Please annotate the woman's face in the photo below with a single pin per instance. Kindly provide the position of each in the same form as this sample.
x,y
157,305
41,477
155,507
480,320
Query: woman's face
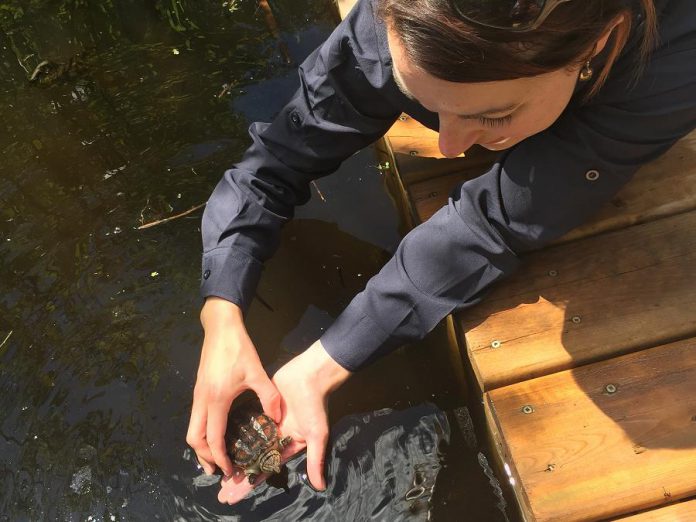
x,y
495,115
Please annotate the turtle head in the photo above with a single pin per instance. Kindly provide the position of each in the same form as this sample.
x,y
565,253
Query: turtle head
x,y
270,461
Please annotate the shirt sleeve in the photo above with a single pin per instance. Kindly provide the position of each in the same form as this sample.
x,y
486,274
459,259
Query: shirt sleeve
x,y
338,109
538,191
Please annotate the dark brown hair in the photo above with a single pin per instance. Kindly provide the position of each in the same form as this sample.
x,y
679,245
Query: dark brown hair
x,y
443,44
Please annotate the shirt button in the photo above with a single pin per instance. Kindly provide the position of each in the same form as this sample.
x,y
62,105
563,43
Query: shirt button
x,y
206,274
295,119
592,175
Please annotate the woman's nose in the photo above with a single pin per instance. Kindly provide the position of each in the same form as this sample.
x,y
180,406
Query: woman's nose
x,y
455,137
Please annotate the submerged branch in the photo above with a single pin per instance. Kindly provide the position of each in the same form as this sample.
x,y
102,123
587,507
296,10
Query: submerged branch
x,y
6,338
175,216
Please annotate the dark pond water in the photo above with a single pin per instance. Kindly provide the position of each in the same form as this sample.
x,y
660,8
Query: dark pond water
x,y
140,108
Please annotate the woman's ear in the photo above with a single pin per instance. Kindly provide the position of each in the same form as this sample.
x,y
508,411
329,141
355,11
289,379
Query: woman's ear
x,y
602,42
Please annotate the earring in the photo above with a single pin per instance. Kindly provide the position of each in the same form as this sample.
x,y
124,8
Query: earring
x,y
586,72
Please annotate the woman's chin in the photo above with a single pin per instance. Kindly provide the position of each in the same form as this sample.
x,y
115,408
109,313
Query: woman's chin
x,y
500,144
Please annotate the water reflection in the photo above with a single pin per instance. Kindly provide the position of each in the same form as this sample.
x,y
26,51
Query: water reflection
x,y
373,462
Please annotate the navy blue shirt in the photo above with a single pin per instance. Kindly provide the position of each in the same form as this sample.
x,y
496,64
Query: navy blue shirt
x,y
536,192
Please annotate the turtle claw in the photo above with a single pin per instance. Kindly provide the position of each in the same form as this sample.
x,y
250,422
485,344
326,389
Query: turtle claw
x,y
252,478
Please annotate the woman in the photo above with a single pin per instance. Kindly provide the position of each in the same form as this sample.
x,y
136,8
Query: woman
x,y
579,93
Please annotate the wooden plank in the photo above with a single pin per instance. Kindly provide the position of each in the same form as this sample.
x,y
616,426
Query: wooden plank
x,y
344,7
418,155
679,512
429,196
587,451
409,137
504,465
586,301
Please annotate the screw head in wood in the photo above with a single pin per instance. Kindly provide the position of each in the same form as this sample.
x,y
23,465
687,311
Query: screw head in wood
x,y
610,388
576,319
496,344
553,273
413,153
527,409
592,175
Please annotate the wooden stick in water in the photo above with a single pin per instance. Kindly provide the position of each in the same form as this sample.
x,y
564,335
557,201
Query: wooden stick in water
x,y
182,214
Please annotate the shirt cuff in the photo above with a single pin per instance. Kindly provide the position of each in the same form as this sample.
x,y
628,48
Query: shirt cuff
x,y
355,339
231,275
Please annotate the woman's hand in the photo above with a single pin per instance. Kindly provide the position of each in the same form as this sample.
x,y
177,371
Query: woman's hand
x,y
304,385
229,365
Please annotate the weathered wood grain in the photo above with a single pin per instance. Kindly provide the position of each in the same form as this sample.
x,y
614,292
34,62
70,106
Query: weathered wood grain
x,y
586,301
409,137
680,512
585,451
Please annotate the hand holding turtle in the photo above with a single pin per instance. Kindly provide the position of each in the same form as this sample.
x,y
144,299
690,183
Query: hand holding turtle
x,y
229,365
304,384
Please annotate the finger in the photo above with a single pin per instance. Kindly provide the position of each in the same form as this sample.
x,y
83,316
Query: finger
x,y
316,452
235,488
215,435
207,465
232,492
268,395
195,436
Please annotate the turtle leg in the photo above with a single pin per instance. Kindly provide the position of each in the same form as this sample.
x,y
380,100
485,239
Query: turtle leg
x,y
252,478
285,441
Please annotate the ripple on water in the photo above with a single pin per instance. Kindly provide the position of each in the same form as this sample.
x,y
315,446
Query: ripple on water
x,y
373,463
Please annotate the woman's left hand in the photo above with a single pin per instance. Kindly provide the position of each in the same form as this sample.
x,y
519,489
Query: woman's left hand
x,y
304,384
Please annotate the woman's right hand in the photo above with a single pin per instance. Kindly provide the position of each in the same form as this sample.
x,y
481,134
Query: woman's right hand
x,y
229,365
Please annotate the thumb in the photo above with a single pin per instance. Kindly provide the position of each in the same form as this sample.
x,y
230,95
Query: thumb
x,y
316,454
268,395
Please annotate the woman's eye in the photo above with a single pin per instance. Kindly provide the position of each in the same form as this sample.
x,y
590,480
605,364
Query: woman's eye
x,y
495,122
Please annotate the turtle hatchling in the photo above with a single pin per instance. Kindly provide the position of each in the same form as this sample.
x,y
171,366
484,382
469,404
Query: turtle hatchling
x,y
257,450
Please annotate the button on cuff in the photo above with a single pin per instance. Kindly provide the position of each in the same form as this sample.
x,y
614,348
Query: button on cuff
x,y
295,119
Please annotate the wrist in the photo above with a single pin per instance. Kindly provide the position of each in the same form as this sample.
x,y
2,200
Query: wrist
x,y
217,311
326,373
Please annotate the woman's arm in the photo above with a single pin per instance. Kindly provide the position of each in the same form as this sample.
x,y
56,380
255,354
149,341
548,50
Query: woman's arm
x,y
538,191
338,109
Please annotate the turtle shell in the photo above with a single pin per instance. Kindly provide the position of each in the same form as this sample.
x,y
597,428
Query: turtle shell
x,y
255,437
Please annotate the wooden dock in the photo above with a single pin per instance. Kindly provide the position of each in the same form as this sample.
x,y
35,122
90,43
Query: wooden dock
x,y
585,360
